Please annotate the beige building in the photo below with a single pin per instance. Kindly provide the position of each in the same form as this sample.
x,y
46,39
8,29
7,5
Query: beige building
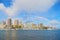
x,y
34,26
27,26
9,23
40,26
21,24
16,22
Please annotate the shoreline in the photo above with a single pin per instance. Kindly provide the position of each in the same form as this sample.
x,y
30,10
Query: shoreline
x,y
28,29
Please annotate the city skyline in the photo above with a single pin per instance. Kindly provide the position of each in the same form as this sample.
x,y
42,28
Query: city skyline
x,y
16,24
36,11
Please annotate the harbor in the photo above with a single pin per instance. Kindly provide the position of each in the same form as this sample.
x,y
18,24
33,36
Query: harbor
x,y
29,34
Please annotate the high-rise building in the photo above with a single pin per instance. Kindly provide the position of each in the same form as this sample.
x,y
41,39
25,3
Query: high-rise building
x,y
9,23
40,25
4,23
34,26
16,22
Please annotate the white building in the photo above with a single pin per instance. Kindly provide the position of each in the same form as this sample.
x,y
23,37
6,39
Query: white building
x,y
16,22
9,23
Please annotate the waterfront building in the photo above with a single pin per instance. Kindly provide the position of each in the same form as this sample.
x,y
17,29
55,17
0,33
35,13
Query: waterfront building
x,y
34,26
16,22
9,23
40,25
21,24
27,26
2,25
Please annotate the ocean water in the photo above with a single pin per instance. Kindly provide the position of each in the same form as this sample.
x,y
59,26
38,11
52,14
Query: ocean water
x,y
29,34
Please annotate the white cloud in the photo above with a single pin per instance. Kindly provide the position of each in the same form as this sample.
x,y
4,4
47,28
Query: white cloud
x,y
2,6
28,5
9,11
35,5
54,22
45,21
43,18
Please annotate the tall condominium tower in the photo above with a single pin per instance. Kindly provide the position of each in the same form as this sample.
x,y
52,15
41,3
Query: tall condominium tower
x,y
40,25
16,22
4,23
9,23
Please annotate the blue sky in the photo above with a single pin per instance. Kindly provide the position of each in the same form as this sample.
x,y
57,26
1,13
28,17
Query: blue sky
x,y
37,11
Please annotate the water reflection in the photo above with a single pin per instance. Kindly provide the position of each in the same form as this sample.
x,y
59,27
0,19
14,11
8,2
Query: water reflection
x,y
8,35
14,36
30,35
11,35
